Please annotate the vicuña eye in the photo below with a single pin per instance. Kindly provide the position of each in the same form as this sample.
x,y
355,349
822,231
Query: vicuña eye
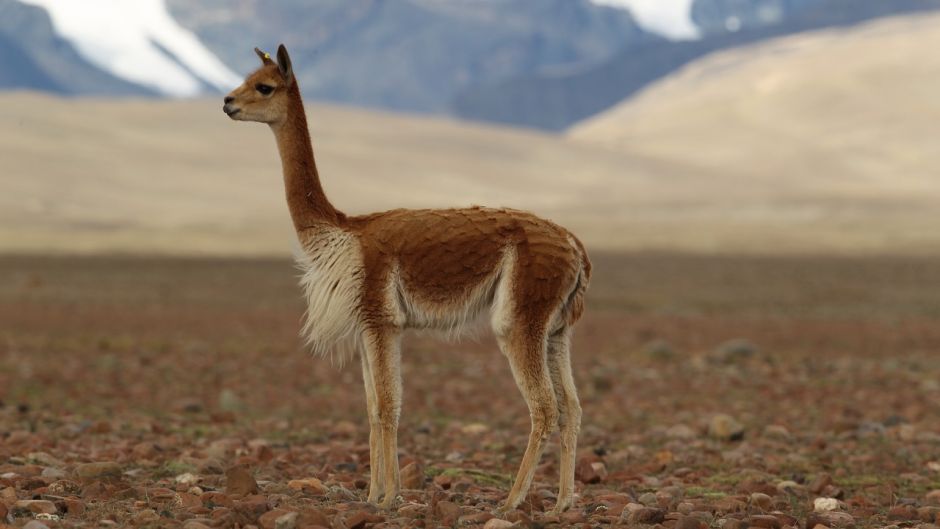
x,y
264,89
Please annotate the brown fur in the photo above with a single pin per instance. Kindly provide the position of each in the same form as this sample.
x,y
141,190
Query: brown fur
x,y
438,268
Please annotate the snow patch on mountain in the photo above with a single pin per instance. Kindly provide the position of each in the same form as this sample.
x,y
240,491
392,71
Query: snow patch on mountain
x,y
669,18
140,42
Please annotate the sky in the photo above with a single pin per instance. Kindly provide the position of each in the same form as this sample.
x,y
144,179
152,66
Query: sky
x,y
670,18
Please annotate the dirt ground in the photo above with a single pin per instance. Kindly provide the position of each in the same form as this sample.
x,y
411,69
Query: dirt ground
x,y
717,392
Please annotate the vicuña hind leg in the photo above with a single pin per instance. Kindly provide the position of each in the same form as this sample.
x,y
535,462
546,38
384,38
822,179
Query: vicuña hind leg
x,y
376,467
526,353
384,356
569,414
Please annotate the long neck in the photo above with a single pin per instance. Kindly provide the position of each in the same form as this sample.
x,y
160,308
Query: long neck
x,y
306,200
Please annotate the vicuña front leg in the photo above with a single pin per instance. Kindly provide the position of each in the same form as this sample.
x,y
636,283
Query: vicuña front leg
x,y
384,357
527,359
376,467
569,415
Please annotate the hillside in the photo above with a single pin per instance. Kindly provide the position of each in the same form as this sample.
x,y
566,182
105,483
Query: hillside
x,y
92,175
839,124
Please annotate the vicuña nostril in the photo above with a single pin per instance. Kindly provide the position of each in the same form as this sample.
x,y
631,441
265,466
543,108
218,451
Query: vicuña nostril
x,y
229,99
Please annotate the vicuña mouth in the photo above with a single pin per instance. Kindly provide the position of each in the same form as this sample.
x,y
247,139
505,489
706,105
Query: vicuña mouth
x,y
232,112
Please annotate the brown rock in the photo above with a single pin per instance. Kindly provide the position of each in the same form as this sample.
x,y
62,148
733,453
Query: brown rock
x,y
586,472
644,516
314,516
194,524
99,470
252,506
819,484
902,513
269,519
689,522
286,521
933,497
729,504
36,506
928,513
764,520
35,524
412,476
833,519
448,512
309,486
496,523
75,508
474,519
240,482
762,500
360,519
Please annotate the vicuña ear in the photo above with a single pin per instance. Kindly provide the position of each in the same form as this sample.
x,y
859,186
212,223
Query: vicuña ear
x,y
265,58
283,64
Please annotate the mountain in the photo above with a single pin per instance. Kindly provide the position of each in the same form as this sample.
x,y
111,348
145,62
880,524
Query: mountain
x,y
411,55
555,101
36,57
834,126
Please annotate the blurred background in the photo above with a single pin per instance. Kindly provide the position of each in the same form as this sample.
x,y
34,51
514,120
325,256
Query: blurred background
x,y
705,125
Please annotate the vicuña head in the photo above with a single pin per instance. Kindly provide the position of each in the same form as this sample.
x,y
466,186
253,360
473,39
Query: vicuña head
x,y
266,93
369,278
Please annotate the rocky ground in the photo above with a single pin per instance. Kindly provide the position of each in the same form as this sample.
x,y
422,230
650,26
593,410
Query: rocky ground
x,y
717,392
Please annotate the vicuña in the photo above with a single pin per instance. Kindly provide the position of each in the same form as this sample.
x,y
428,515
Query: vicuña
x,y
369,278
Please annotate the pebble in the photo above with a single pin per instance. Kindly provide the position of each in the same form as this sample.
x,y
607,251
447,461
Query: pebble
x,y
35,524
764,520
933,497
833,519
825,504
309,486
762,500
681,432
44,459
269,519
97,470
286,521
775,431
902,513
644,515
725,428
36,506
820,483
448,512
187,479
412,476
496,523
53,473
240,482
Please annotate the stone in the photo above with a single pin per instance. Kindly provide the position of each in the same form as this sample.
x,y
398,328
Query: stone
x,y
643,516
725,428
448,512
286,521
309,486
193,524
681,432
762,500
825,504
735,351
833,519
53,473
412,476
35,524
269,519
659,349
36,506
240,482
44,459
902,513
689,522
476,518
585,472
820,483
933,497
775,431
97,470
496,523
186,479
359,519
765,521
